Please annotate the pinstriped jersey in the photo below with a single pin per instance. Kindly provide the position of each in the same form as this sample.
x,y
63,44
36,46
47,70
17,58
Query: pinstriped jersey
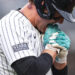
x,y
19,38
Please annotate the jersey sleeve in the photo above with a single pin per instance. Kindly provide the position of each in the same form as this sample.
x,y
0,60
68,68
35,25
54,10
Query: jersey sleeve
x,y
16,39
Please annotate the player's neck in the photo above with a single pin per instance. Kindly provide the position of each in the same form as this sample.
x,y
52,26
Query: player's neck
x,y
28,11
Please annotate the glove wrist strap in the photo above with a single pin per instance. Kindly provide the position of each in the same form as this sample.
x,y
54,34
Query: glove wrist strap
x,y
61,60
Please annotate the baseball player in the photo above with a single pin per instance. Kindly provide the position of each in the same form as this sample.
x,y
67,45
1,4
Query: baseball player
x,y
22,46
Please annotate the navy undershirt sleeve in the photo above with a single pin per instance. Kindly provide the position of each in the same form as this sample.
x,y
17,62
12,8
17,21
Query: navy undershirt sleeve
x,y
33,65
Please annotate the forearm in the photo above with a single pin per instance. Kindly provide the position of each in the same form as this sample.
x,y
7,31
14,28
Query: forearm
x,y
33,66
60,69
59,66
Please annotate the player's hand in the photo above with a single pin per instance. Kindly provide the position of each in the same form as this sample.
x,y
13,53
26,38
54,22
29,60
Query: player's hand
x,y
58,39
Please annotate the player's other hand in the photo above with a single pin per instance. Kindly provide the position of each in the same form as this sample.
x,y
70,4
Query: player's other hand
x,y
58,39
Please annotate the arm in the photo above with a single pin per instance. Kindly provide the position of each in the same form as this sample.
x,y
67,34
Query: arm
x,y
35,65
60,69
59,66
58,39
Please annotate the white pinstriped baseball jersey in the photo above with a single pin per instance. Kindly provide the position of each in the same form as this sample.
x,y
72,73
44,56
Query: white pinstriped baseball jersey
x,y
18,37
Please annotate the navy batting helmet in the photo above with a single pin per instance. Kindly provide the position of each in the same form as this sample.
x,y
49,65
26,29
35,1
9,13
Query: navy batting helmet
x,y
65,7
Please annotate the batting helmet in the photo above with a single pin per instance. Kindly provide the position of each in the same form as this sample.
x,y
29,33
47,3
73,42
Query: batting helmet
x,y
65,7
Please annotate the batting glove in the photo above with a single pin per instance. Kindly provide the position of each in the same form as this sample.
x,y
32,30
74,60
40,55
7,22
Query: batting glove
x,y
58,39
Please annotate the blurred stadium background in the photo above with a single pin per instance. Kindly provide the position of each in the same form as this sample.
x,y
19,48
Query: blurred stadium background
x,y
7,5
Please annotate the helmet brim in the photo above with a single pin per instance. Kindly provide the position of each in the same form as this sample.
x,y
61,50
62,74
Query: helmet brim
x,y
66,15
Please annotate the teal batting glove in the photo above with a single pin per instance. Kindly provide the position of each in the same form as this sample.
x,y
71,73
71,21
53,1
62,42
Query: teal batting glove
x,y
58,39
